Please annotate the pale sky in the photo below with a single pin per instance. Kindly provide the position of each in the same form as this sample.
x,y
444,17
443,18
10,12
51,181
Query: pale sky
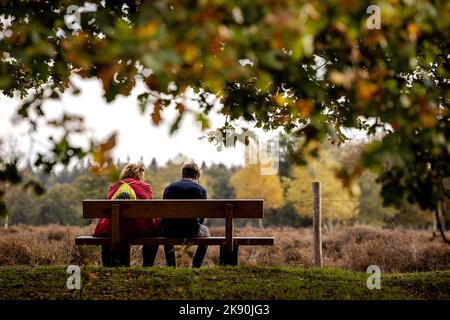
x,y
137,135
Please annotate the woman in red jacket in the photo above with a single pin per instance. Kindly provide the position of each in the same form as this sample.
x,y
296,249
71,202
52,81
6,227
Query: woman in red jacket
x,y
133,176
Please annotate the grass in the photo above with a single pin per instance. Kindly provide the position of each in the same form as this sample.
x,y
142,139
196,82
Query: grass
x,y
49,282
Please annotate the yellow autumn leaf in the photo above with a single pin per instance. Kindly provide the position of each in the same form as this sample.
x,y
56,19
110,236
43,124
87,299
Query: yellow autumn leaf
x,y
311,11
190,54
98,157
365,90
427,114
413,31
428,120
304,107
91,276
337,77
156,114
109,144
101,155
280,100
148,30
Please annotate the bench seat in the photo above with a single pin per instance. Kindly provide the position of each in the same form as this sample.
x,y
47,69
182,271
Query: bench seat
x,y
227,209
239,241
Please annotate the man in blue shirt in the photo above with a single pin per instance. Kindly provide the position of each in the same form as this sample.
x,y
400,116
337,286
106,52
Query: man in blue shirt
x,y
186,188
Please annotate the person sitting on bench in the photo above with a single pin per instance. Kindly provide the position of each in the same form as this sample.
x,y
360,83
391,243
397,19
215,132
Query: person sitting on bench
x,y
186,188
130,186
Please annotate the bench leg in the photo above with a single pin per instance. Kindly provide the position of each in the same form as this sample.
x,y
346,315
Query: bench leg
x,y
149,255
106,256
116,257
121,256
228,258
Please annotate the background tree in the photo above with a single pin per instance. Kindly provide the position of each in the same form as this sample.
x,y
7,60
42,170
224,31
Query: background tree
x,y
153,166
370,206
411,216
91,186
337,204
21,205
171,172
60,205
248,183
67,188
218,177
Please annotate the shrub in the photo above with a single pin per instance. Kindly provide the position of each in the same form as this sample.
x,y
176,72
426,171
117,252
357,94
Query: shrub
x,y
353,248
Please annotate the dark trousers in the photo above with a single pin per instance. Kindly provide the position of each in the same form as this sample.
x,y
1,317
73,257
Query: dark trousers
x,y
149,255
200,253
171,257
121,256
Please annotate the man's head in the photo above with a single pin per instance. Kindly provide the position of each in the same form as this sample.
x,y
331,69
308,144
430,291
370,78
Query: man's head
x,y
191,170
133,170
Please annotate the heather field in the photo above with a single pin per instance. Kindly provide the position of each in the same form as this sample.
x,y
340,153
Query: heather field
x,y
352,248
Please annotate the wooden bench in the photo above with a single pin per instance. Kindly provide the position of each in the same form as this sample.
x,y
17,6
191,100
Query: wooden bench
x,y
226,209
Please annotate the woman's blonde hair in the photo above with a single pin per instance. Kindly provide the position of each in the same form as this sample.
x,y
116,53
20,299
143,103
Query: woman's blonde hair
x,y
133,170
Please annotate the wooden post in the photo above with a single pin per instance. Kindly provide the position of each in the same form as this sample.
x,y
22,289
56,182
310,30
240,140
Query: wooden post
x,y
229,258
317,224
229,226
120,253
229,251
115,228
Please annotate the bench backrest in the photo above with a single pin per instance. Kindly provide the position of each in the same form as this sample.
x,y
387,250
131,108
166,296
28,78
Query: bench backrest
x,y
211,208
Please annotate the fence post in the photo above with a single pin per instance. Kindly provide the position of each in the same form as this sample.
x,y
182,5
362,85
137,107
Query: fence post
x,y
317,224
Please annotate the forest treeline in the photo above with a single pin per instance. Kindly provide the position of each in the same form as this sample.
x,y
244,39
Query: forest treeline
x,y
287,195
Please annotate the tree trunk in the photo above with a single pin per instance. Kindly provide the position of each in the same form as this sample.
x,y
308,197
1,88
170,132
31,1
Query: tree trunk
x,y
435,228
446,213
438,222
6,221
